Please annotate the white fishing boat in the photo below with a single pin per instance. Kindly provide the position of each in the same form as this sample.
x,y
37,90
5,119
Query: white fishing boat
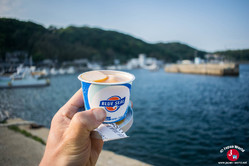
x,y
53,71
40,73
27,82
22,78
70,70
152,67
62,71
5,78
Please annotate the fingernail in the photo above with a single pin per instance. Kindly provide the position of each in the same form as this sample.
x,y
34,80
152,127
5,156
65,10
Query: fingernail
x,y
99,114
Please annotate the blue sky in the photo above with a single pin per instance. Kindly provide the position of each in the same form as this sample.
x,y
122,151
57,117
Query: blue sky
x,y
209,25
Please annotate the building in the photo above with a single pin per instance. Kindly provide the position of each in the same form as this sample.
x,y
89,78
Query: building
x,y
143,62
13,59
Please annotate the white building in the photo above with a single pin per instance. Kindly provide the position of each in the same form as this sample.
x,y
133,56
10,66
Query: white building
x,y
198,60
143,62
133,63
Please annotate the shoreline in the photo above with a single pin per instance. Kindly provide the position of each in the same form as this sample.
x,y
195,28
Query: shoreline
x,y
21,143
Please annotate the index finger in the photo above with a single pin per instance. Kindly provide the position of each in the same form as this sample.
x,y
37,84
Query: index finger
x,y
73,105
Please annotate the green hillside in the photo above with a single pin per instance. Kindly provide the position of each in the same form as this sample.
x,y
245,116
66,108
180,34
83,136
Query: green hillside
x,y
235,55
84,42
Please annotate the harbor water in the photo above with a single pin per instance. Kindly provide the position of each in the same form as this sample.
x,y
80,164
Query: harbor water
x,y
179,119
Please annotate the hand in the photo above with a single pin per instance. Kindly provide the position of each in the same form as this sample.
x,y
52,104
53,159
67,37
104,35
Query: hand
x,y
69,141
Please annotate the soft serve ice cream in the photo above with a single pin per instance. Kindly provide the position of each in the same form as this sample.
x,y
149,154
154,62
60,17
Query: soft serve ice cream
x,y
104,77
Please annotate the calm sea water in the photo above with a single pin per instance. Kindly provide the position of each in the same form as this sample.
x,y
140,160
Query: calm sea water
x,y
179,119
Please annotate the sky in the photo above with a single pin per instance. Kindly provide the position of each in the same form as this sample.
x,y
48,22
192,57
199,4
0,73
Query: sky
x,y
208,25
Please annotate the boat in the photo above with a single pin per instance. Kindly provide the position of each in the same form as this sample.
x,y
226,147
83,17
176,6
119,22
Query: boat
x,y
70,70
62,71
152,67
39,73
5,78
53,71
22,78
27,82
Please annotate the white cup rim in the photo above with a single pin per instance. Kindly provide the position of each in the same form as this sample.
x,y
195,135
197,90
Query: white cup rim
x,y
131,76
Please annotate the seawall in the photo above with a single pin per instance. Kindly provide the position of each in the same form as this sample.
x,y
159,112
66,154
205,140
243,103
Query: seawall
x,y
205,69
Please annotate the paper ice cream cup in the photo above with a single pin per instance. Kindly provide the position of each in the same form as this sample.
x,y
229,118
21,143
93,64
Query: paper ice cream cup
x,y
112,97
127,122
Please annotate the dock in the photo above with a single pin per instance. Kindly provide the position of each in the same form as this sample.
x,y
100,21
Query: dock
x,y
222,69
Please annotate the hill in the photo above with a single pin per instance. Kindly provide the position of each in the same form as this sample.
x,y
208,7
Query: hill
x,y
84,42
235,55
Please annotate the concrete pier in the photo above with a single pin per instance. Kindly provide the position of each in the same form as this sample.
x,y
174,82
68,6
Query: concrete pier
x,y
18,149
222,69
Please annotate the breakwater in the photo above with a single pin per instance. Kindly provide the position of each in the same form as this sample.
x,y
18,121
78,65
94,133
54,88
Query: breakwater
x,y
205,69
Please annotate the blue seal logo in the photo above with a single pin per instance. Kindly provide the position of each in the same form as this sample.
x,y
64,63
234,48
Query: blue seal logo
x,y
113,103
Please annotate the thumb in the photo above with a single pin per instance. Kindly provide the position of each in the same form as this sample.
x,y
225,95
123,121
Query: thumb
x,y
77,146
84,122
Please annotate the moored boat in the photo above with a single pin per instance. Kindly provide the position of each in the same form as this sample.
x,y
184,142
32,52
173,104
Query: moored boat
x,y
22,78
26,82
